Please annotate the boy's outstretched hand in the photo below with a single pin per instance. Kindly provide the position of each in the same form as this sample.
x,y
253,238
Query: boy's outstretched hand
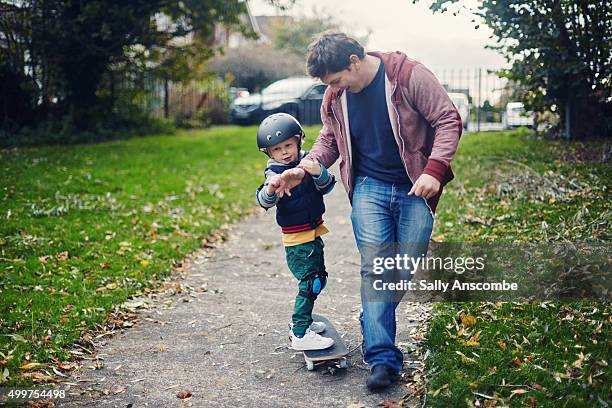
x,y
273,184
288,180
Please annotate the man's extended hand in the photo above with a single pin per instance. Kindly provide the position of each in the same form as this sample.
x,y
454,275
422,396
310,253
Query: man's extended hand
x,y
425,186
290,179
311,166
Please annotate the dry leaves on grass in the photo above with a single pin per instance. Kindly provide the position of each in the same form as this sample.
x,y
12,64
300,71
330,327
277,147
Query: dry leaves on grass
x,y
41,404
41,377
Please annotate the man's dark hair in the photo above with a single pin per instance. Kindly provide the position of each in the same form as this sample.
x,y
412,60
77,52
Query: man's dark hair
x,y
330,53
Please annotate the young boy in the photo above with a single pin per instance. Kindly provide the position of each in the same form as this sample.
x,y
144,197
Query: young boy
x,y
299,215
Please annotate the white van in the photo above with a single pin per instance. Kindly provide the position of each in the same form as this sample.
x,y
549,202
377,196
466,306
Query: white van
x,y
463,106
516,115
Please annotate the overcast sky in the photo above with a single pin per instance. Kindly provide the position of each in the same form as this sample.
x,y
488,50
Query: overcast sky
x,y
438,40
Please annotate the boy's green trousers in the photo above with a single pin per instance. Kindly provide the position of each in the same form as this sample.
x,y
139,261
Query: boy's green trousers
x,y
304,260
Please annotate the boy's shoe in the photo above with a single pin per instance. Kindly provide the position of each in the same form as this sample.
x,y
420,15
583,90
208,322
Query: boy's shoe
x,y
317,327
310,341
381,376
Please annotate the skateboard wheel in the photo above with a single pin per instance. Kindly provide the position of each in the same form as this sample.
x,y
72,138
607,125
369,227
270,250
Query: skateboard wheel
x,y
343,363
309,365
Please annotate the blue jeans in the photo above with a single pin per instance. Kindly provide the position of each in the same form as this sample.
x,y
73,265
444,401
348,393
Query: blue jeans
x,y
385,217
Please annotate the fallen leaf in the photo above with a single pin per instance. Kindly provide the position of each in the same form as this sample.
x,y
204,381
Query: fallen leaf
x,y
578,363
183,394
467,320
468,343
436,392
67,366
30,366
517,392
62,256
42,377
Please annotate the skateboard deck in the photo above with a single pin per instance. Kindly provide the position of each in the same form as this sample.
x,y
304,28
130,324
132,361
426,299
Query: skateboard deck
x,y
336,352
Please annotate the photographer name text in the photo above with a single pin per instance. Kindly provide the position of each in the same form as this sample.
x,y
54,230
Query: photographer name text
x,y
441,286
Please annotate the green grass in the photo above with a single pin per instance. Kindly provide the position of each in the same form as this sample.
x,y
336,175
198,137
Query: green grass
x,y
82,228
516,188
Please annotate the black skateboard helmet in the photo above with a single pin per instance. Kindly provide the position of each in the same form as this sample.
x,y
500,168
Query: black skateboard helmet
x,y
277,128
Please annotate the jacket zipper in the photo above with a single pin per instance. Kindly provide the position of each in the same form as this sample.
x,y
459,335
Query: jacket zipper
x,y
399,132
349,179
399,135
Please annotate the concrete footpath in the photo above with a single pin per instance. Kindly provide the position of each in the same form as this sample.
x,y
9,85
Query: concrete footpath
x,y
219,332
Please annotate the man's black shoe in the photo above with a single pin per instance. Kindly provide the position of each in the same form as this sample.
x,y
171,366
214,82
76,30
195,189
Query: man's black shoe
x,y
381,376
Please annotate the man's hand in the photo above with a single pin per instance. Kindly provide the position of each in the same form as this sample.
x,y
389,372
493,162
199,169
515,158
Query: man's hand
x,y
311,166
425,186
290,179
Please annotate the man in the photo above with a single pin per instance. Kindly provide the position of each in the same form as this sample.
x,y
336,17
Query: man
x,y
395,130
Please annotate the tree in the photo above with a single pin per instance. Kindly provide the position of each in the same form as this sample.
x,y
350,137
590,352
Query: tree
x,y
560,53
256,66
294,35
64,50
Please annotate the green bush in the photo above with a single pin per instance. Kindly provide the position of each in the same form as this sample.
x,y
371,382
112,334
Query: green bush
x,y
62,131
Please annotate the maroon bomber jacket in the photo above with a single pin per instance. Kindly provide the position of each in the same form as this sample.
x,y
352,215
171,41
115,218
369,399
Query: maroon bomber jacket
x,y
425,123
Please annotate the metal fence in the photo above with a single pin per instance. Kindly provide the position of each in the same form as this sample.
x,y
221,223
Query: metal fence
x,y
487,94
483,93
205,101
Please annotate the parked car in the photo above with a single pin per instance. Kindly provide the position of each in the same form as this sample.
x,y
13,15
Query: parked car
x,y
237,92
297,96
462,104
516,116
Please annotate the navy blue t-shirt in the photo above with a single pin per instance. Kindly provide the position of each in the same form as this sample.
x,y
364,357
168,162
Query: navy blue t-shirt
x,y
375,151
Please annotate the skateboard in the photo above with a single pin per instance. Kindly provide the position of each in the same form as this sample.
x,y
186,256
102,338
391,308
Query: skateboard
x,y
337,352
